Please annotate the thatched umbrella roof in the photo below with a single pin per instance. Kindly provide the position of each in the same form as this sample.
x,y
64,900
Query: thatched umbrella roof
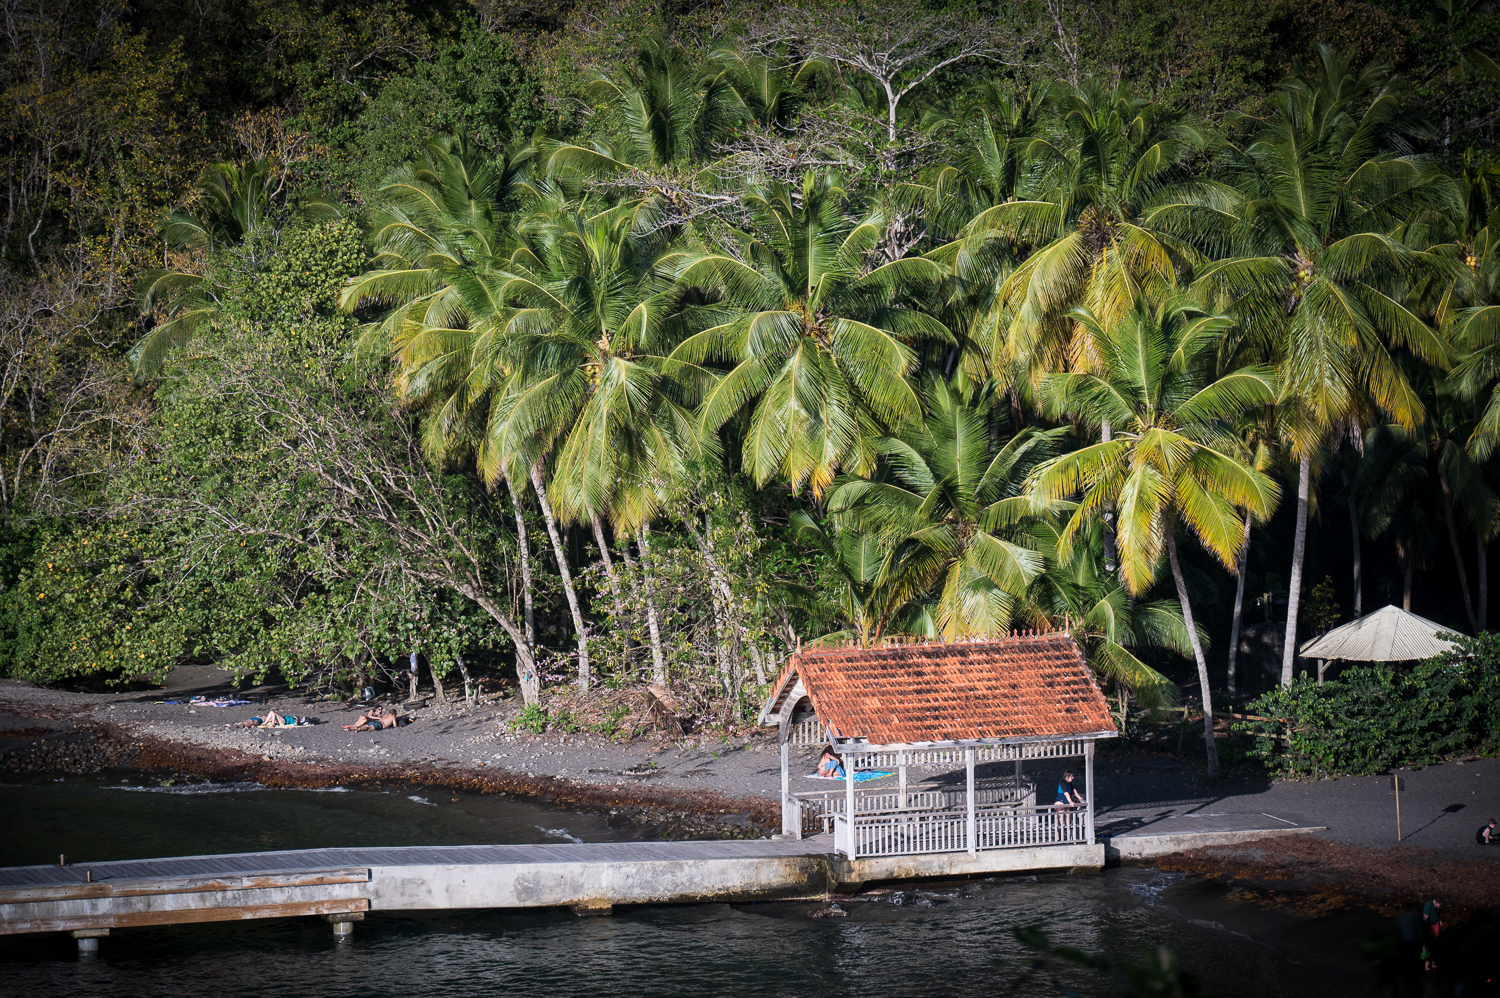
x,y
1390,634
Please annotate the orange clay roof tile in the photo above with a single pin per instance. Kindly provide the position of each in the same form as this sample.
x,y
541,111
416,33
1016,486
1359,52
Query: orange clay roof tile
x,y
1024,686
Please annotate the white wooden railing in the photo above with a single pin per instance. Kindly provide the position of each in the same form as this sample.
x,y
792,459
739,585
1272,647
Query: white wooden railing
x,y
917,833
1002,790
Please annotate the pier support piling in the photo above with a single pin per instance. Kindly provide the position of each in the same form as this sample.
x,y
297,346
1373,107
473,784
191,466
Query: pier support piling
x,y
88,941
343,924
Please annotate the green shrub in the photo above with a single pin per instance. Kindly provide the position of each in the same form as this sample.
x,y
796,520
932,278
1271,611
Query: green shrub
x,y
532,718
1373,718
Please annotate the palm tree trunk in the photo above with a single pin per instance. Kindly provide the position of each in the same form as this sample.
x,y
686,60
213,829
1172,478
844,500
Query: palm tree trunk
x,y
1240,564
1111,553
658,660
1482,557
1210,746
609,564
569,591
1299,554
1458,558
524,545
1405,576
1359,583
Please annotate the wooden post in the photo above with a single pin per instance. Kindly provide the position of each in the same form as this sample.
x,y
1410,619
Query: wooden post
x,y
1088,790
1396,786
791,824
902,769
973,829
1322,664
849,801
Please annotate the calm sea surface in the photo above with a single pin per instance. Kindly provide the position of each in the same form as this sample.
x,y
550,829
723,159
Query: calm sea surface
x,y
951,938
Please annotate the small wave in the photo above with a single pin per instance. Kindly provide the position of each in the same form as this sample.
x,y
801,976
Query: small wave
x,y
1160,881
327,790
421,800
558,833
195,788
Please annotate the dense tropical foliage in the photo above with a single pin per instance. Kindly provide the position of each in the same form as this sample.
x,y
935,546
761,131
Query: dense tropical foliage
x,y
621,343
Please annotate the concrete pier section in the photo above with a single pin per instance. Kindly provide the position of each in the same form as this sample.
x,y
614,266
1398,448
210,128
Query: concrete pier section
x,y
341,885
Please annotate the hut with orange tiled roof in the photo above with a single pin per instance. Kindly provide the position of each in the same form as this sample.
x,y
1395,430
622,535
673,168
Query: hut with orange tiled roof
x,y
932,707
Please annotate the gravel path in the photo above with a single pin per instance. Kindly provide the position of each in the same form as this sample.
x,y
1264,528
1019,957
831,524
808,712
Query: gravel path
x,y
1441,807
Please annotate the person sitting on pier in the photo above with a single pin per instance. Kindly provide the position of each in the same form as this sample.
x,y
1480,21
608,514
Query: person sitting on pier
x,y
1487,836
1067,794
830,764
377,722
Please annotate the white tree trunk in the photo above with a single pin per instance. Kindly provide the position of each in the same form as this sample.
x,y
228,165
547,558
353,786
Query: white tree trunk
x,y
584,678
1240,564
1210,745
523,543
658,660
609,564
463,670
1299,554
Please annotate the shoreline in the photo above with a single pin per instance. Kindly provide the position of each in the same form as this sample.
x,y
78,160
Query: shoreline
x,y
693,788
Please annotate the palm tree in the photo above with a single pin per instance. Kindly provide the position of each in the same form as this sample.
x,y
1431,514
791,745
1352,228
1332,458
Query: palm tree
x,y
234,200
819,344
851,559
1396,498
1308,268
1083,595
1084,232
950,513
771,91
670,111
1171,460
560,365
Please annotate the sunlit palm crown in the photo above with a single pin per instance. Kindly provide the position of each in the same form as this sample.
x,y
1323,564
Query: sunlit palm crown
x,y
818,343
1306,262
951,514
1172,454
1080,222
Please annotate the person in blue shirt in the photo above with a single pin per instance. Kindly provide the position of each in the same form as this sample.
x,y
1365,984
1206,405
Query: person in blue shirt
x,y
1067,794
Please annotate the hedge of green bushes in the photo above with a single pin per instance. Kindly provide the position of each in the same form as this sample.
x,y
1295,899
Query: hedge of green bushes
x,y
1373,718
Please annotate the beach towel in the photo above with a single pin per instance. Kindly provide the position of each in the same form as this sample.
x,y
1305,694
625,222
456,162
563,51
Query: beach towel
x,y
221,702
860,776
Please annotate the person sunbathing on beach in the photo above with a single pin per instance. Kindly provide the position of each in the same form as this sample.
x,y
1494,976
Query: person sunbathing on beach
x,y
376,722
830,764
273,720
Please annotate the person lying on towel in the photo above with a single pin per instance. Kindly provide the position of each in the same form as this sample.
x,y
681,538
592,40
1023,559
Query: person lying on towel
x,y
274,721
376,722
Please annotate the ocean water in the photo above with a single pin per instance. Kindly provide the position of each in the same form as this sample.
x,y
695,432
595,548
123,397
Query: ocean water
x,y
929,939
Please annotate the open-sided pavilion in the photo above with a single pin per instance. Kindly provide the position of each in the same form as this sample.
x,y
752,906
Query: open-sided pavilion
x,y
925,709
